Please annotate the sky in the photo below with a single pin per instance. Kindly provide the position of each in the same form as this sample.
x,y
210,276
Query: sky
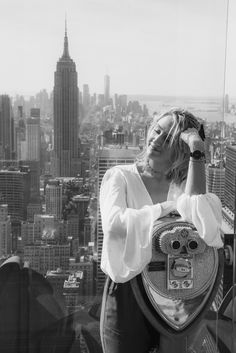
x,y
152,47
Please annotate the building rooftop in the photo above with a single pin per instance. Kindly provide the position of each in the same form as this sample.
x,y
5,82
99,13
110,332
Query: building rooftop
x,y
58,273
14,171
74,280
44,216
33,121
80,198
53,182
121,153
46,246
66,179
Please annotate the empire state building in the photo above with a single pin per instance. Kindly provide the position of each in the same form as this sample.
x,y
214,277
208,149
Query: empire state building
x,y
65,105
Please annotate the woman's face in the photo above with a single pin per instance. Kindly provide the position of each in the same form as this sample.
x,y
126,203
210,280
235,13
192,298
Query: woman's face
x,y
159,138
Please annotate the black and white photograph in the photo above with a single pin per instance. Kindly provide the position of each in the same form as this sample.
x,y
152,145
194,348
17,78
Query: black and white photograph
x,y
118,176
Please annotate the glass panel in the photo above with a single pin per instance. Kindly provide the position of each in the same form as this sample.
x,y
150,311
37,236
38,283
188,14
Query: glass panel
x,y
192,71
160,54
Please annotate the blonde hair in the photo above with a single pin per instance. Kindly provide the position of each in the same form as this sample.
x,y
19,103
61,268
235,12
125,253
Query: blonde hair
x,y
179,150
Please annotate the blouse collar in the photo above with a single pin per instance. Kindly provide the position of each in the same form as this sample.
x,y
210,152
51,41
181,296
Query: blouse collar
x,y
174,190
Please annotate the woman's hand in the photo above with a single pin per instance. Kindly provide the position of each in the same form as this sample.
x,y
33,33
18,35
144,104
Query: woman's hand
x,y
192,139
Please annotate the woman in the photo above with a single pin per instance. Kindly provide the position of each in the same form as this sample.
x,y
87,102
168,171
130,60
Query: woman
x,y
170,177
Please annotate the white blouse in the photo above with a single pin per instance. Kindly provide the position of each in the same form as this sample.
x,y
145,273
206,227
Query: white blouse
x,y
128,214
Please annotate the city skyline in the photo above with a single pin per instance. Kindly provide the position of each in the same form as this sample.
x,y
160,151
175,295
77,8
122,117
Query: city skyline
x,y
129,41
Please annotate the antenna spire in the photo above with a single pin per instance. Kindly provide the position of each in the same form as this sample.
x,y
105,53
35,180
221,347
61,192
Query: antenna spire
x,y
66,47
65,25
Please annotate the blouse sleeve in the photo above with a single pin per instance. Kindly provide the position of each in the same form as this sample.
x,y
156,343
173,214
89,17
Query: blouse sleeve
x,y
204,211
127,242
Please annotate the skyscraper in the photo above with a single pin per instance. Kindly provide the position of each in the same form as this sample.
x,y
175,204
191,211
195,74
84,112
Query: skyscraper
x,y
54,198
65,104
230,177
20,134
5,231
228,210
226,103
34,171
15,191
86,97
106,90
6,128
215,180
33,139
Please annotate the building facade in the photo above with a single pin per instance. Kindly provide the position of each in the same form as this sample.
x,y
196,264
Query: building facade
x,y
15,192
42,258
230,178
215,180
73,291
33,139
106,90
34,175
56,279
87,268
6,128
5,231
54,198
86,97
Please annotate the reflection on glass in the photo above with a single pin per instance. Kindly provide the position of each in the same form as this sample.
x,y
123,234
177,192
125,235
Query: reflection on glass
x,y
55,145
